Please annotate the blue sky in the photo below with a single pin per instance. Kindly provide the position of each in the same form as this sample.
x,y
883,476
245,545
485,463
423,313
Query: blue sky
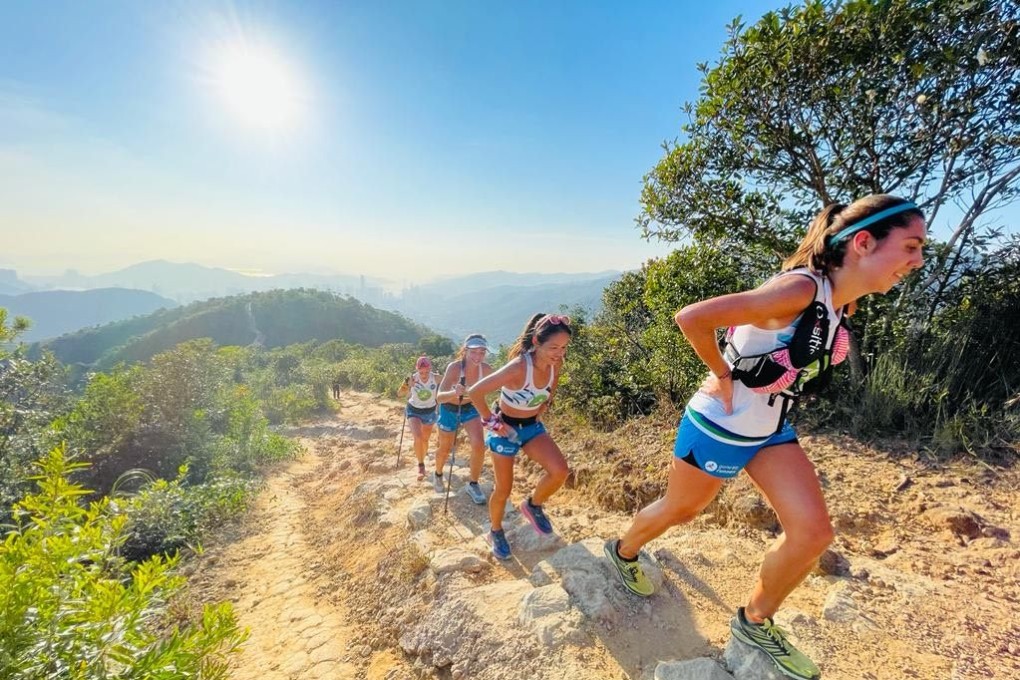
x,y
432,138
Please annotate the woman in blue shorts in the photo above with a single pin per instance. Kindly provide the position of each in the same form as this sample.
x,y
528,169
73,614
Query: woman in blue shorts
x,y
526,387
457,412
782,339
421,388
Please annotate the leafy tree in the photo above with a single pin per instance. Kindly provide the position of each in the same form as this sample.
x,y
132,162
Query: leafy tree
x,y
830,101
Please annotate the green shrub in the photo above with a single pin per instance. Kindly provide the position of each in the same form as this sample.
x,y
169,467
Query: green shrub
x,y
71,607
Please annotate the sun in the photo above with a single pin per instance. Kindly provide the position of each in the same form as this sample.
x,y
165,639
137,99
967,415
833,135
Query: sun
x,y
258,87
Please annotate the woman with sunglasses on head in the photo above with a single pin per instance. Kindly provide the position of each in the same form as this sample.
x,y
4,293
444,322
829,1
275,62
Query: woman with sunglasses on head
x,y
526,387
421,387
783,338
457,412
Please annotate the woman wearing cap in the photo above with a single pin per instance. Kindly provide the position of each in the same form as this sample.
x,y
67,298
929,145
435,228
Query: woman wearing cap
x,y
526,386
421,388
456,411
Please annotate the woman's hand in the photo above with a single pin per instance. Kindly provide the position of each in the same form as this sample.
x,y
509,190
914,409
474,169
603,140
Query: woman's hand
x,y
720,388
459,390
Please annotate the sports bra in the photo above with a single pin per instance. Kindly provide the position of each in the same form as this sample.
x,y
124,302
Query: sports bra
x,y
529,397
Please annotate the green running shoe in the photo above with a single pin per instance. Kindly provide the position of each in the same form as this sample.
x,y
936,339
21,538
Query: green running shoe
x,y
771,639
631,574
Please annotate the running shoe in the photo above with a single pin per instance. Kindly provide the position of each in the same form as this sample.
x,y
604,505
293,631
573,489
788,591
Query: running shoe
x,y
438,484
500,546
476,493
631,574
536,516
771,639
421,471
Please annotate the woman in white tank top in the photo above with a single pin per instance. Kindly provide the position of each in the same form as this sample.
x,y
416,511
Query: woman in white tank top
x,y
849,251
422,389
527,385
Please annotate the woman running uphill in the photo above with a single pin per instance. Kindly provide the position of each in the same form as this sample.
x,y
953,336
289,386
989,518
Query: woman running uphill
x,y
781,336
421,388
526,386
456,411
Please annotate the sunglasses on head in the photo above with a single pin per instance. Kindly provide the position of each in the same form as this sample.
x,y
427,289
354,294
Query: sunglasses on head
x,y
556,319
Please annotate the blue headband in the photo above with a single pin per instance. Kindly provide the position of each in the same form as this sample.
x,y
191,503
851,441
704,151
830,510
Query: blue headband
x,y
868,221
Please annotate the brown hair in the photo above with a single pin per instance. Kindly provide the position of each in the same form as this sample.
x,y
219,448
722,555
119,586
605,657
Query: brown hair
x,y
816,252
538,328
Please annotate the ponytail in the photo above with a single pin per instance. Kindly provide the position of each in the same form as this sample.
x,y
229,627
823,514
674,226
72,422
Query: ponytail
x,y
822,253
525,341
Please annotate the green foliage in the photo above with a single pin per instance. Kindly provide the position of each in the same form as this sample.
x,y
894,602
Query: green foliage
x,y
632,355
71,607
31,394
166,516
829,101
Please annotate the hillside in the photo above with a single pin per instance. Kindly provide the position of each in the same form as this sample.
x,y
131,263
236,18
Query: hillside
x,y
499,311
57,312
273,319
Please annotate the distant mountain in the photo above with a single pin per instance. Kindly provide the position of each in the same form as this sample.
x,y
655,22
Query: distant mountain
x,y
56,312
10,284
271,319
473,282
500,312
188,282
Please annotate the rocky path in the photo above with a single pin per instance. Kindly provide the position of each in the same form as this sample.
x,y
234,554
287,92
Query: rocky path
x,y
349,568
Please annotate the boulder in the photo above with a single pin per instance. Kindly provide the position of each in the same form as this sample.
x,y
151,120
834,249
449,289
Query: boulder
x,y
454,560
749,663
419,515
692,669
547,612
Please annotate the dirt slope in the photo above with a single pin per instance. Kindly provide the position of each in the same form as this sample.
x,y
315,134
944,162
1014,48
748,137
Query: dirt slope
x,y
349,568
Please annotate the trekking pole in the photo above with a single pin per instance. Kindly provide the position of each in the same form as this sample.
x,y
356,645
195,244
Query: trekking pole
x,y
453,450
403,426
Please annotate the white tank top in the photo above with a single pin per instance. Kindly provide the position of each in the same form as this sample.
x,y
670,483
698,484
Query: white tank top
x,y
423,393
754,419
529,397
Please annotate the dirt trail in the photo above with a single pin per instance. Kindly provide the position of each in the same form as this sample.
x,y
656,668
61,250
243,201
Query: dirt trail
x,y
348,568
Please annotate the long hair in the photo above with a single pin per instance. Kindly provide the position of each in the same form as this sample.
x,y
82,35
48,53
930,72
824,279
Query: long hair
x,y
817,253
539,328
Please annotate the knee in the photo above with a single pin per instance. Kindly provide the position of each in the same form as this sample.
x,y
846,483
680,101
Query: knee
x,y
814,538
500,493
558,473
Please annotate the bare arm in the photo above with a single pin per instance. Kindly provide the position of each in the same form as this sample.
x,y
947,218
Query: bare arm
x,y
450,389
773,305
405,387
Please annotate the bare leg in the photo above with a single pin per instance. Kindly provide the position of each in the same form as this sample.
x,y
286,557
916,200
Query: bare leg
x,y
503,474
788,481
443,447
477,439
543,450
688,491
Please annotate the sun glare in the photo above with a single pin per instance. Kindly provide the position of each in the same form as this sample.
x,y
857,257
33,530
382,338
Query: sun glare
x,y
259,88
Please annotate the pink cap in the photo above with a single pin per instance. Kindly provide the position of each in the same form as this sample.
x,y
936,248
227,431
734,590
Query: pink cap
x,y
423,362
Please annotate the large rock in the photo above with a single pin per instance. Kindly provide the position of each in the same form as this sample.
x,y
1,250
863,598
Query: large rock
x,y
454,559
840,607
593,584
749,663
692,669
419,515
524,538
548,613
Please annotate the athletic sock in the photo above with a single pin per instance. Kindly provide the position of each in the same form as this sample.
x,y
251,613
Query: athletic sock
x,y
625,559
